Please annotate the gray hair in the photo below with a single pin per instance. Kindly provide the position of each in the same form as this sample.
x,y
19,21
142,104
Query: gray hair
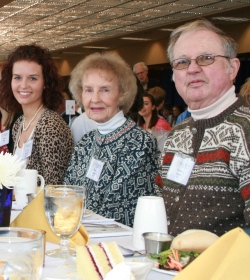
x,y
228,44
140,63
111,62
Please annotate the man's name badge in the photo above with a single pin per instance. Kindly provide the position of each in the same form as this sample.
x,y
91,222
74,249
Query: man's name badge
x,y
181,168
95,169
4,138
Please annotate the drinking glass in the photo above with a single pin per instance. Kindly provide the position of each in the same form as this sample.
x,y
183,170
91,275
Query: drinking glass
x,y
63,209
21,253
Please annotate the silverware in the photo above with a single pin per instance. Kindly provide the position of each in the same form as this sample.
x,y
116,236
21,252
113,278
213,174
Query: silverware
x,y
101,225
139,252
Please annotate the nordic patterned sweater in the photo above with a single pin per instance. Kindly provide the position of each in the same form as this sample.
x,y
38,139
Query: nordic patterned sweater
x,y
217,195
130,157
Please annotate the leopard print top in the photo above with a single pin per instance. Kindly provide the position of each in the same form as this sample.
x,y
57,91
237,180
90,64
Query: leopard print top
x,y
52,146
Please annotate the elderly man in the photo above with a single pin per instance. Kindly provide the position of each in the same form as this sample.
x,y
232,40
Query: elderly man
x,y
140,69
205,171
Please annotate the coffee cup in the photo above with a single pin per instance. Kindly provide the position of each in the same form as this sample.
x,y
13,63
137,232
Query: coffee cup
x,y
27,185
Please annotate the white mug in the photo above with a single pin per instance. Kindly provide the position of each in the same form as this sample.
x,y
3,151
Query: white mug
x,y
150,216
27,185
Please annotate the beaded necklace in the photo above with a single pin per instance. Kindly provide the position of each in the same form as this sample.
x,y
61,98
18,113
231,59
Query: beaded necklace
x,y
28,125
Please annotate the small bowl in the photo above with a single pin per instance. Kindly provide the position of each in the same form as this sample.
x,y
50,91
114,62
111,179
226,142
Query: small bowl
x,y
156,242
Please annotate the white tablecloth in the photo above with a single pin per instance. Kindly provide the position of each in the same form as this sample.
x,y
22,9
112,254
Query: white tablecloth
x,y
53,264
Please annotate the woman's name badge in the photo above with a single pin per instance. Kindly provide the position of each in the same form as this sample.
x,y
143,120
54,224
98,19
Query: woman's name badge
x,y
181,168
4,138
95,169
27,149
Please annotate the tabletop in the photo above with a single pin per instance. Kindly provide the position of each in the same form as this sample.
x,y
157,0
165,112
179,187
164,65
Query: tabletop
x,y
51,270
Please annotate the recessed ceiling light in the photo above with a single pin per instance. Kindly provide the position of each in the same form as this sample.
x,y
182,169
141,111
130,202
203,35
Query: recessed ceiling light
x,y
167,29
95,47
135,39
230,19
76,53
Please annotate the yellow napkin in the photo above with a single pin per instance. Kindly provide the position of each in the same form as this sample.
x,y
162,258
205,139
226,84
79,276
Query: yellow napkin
x,y
33,216
227,259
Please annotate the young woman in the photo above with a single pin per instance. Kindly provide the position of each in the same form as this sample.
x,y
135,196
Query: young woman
x,y
30,83
149,118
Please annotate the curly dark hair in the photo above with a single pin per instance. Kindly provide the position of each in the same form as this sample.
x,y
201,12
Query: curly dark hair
x,y
53,83
154,117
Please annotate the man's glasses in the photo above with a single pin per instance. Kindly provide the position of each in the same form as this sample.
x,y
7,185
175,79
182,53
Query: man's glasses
x,y
201,60
140,73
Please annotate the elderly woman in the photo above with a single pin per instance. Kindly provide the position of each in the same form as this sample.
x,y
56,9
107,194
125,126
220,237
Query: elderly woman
x,y
117,162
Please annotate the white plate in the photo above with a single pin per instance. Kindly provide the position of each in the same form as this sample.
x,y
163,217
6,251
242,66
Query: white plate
x,y
168,272
67,270
88,213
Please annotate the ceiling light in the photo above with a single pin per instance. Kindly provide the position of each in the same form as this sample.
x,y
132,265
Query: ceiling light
x,y
95,47
230,19
167,29
76,53
135,39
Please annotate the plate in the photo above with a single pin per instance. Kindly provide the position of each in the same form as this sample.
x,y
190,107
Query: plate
x,y
168,272
88,213
67,270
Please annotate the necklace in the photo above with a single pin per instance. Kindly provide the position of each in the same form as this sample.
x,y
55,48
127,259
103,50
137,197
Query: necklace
x,y
25,128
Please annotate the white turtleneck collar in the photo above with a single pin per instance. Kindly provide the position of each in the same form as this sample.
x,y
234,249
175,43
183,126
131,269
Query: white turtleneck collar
x,y
112,124
216,108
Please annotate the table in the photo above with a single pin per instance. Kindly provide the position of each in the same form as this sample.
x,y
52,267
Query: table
x,y
52,263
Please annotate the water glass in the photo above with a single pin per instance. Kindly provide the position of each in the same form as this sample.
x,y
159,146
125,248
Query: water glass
x,y
21,254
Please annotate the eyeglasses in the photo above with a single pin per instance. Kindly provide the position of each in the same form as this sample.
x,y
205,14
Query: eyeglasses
x,y
140,73
201,60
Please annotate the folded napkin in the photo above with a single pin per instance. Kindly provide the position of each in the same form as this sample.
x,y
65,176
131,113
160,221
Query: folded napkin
x,y
228,258
33,216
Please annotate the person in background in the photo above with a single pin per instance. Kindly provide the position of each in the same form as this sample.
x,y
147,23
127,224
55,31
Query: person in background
x,y
69,119
42,139
245,90
167,112
7,120
148,115
140,69
184,115
159,95
205,172
118,161
177,110
82,125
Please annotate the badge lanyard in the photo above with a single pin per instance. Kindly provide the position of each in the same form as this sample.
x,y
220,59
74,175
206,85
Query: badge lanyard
x,y
95,166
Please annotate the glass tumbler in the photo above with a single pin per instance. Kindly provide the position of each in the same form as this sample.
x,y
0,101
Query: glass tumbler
x,y
21,253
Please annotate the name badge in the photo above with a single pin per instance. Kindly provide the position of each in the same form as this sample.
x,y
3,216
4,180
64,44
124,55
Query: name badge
x,y
27,149
4,137
95,169
181,168
70,107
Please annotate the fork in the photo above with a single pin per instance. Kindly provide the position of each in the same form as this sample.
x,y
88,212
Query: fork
x,y
141,252
101,225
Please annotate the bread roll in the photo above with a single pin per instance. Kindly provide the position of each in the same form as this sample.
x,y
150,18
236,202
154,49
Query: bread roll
x,y
194,240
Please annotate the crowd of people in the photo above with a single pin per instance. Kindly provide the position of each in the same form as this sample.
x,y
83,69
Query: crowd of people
x,y
203,168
